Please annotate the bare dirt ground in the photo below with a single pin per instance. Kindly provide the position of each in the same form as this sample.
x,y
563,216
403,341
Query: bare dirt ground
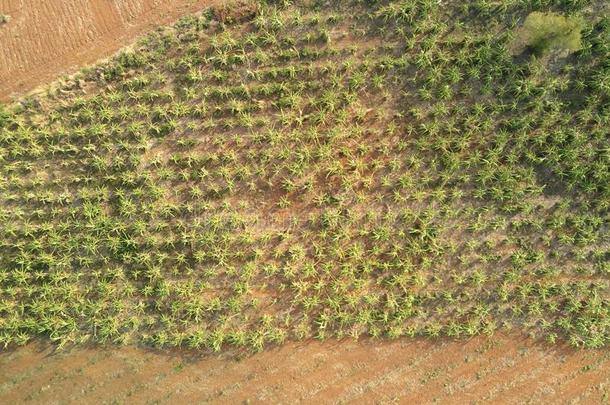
x,y
44,39
501,369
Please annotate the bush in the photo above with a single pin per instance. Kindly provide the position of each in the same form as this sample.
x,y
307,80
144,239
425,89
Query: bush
x,y
544,31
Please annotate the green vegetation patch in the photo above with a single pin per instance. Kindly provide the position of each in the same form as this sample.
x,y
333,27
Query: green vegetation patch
x,y
316,170
545,31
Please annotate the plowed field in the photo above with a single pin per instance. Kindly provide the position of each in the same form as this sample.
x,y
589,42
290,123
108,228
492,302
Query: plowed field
x,y
44,39
500,369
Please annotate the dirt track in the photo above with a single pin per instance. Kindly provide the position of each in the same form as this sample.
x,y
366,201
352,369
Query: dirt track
x,y
44,39
496,370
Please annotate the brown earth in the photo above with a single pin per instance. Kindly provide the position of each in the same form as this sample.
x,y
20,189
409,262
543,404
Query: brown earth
x,y
501,369
44,39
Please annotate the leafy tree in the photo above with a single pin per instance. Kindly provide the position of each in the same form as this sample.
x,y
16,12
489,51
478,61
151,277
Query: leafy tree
x,y
545,31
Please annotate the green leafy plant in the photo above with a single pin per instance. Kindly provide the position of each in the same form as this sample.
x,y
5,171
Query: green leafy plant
x,y
545,31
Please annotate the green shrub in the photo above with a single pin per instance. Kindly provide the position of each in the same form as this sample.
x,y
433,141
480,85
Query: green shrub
x,y
544,31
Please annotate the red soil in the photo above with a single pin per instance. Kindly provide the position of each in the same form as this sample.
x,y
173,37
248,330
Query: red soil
x,y
501,369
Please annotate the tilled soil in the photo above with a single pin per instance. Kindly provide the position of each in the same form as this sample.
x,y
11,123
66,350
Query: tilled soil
x,y
44,39
500,369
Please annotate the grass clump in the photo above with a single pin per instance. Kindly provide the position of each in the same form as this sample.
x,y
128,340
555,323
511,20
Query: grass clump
x,y
4,116
545,31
